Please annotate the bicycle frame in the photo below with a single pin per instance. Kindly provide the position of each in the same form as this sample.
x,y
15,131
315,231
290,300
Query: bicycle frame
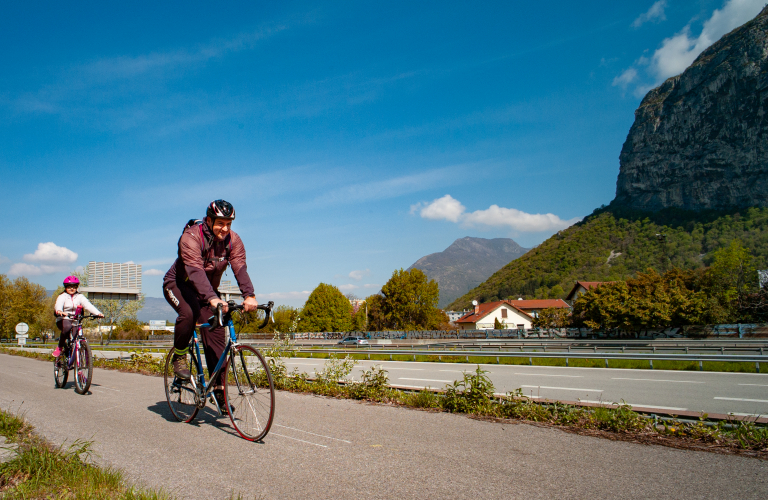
x,y
75,344
203,388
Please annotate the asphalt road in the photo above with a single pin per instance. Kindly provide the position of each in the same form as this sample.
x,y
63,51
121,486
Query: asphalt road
x,y
327,448
712,392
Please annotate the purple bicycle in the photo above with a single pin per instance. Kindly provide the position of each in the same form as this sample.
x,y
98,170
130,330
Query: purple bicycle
x,y
76,356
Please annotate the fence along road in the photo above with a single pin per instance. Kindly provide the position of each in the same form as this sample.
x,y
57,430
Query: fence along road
x,y
341,449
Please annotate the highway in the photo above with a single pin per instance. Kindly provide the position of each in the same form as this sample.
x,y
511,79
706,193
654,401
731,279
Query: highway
x,y
711,392
328,448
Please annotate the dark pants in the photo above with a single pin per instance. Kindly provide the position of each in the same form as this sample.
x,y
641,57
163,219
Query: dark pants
x,y
65,326
190,312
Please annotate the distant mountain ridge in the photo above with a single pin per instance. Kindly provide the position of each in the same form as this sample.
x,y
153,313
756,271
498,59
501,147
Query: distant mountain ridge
x,y
467,263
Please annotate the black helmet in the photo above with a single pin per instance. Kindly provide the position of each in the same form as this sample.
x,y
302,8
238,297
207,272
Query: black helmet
x,y
220,209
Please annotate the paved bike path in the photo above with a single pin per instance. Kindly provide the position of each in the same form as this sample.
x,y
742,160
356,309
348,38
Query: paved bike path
x,y
326,448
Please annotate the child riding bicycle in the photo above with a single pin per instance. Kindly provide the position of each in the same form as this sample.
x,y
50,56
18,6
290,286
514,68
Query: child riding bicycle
x,y
70,303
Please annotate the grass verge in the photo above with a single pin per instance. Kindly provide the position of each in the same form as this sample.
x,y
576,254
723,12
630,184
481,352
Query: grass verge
x,y
474,395
39,469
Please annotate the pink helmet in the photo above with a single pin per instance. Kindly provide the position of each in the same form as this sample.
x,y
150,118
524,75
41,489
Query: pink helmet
x,y
71,280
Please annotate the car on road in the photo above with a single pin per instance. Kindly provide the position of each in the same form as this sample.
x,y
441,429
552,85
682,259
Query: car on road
x,y
353,341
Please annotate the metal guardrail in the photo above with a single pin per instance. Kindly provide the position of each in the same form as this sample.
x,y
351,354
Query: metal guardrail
x,y
650,357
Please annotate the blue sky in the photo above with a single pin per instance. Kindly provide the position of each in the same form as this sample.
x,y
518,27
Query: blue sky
x,y
352,138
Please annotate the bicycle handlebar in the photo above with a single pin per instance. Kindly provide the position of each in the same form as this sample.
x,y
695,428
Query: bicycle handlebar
x,y
219,318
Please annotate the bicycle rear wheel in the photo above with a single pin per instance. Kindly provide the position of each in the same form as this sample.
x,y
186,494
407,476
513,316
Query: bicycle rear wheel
x,y
60,371
83,367
180,393
250,393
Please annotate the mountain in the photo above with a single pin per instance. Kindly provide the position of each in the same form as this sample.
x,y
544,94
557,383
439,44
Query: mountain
x,y
693,176
156,308
466,263
700,140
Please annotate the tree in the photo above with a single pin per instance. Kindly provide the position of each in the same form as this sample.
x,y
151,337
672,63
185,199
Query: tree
x,y
731,275
497,324
360,318
376,319
116,311
410,301
21,302
649,301
326,310
552,317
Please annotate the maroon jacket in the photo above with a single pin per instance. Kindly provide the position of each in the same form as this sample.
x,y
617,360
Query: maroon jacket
x,y
203,272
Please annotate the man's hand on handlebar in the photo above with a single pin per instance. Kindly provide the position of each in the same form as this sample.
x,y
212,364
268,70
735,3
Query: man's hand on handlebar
x,y
215,303
250,304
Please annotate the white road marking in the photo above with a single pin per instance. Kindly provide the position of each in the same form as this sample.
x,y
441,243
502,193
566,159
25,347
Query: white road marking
x,y
560,388
318,435
756,385
673,408
107,388
658,380
408,369
743,399
300,440
426,380
548,375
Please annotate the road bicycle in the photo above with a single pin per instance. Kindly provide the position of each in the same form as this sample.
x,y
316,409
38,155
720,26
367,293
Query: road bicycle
x,y
249,393
76,356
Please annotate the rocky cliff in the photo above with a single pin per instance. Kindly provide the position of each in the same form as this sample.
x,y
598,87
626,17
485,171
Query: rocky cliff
x,y
700,140
467,263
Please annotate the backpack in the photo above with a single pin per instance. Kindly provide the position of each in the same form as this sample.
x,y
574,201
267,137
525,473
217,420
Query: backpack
x,y
207,242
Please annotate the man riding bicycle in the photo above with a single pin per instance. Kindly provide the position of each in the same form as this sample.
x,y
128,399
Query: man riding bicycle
x,y
190,286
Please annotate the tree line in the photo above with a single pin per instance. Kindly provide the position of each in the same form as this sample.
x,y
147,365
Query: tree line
x,y
408,301
725,292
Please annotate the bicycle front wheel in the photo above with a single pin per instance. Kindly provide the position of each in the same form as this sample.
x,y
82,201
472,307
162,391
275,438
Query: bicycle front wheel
x,y
60,371
83,367
180,393
250,393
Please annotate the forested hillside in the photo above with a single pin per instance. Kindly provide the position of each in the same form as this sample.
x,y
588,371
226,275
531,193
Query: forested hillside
x,y
615,243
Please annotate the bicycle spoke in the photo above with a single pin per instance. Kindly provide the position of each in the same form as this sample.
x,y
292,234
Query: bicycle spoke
x,y
251,408
180,394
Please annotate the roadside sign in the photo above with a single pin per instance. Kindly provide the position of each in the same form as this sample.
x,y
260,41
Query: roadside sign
x,y
157,324
22,328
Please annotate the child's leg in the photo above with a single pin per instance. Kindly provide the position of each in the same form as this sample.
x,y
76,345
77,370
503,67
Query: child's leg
x,y
65,326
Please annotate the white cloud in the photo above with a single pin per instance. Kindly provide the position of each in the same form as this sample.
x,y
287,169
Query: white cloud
x,y
153,272
50,253
22,269
624,79
677,52
654,14
347,287
446,208
358,275
450,209
4,259
129,262
372,285
518,220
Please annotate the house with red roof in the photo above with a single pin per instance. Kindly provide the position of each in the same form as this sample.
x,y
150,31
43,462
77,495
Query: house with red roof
x,y
533,307
484,315
582,287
